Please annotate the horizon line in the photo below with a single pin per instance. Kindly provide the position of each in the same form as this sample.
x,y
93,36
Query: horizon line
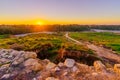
x,y
59,24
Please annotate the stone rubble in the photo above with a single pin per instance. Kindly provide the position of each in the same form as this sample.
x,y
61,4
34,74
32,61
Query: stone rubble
x,y
21,65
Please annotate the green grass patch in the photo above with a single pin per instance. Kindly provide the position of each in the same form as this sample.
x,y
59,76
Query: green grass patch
x,y
105,38
4,36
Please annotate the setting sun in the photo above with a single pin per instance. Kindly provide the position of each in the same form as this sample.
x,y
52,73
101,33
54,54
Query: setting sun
x,y
39,23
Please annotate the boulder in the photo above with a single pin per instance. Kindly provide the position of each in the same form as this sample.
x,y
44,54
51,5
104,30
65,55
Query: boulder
x,y
94,74
30,55
74,69
57,69
44,74
45,61
51,78
69,63
5,76
33,64
117,68
4,61
18,61
34,79
50,65
83,68
65,73
60,64
99,66
5,66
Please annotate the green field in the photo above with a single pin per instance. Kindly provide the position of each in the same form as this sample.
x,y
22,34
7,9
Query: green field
x,y
47,45
109,40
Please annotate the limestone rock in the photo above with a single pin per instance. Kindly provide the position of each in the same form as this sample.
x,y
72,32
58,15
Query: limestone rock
x,y
6,65
57,69
60,64
65,73
69,62
18,61
51,78
50,65
74,69
21,65
44,74
30,55
34,79
33,64
83,68
5,76
99,66
117,68
94,74
46,61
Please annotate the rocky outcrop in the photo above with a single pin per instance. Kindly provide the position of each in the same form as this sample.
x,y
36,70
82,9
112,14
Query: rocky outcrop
x,y
117,68
99,66
21,65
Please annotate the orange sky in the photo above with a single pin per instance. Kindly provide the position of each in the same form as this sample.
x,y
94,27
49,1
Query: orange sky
x,y
59,12
45,22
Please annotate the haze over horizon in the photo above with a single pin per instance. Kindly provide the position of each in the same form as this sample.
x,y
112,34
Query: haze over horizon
x,y
60,12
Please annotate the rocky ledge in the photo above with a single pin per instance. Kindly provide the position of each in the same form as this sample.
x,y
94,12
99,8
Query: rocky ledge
x,y
21,65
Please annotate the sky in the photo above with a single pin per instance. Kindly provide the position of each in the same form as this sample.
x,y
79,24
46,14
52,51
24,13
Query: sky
x,y
59,11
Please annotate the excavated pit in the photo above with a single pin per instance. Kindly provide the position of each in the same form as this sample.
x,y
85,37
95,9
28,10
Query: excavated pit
x,y
78,56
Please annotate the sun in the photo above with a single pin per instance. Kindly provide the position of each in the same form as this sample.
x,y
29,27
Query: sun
x,y
39,23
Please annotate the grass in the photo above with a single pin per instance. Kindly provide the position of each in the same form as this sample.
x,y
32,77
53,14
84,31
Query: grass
x,y
47,45
4,36
111,40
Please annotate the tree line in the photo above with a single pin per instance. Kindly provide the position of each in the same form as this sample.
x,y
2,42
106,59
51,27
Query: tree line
x,y
106,27
21,29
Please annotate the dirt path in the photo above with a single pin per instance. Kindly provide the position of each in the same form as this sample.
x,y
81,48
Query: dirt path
x,y
99,51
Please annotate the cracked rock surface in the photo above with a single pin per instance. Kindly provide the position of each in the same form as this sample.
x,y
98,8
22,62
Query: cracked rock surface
x,y
21,65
